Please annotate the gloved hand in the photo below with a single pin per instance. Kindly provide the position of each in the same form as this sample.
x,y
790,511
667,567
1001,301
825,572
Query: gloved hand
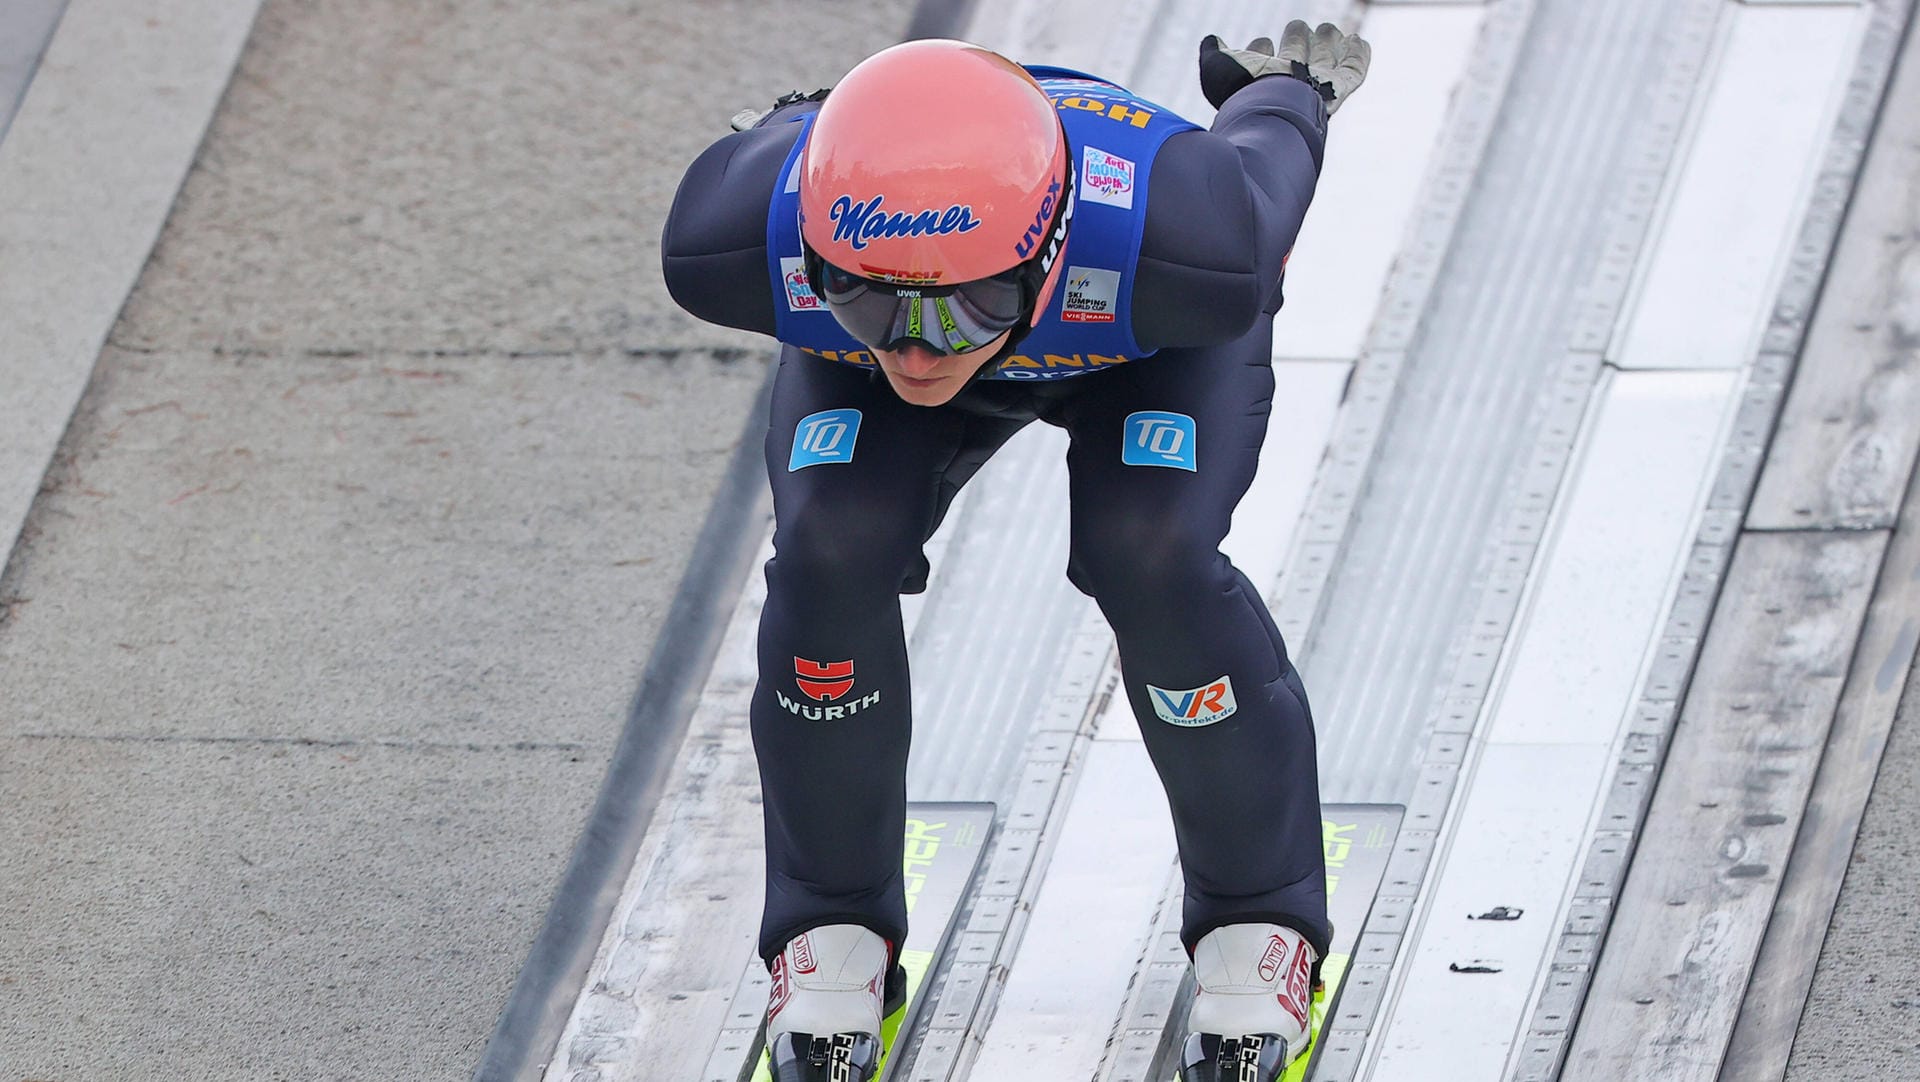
x,y
751,118
1331,62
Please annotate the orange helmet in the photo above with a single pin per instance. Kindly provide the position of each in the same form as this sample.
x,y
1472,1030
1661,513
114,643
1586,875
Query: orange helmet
x,y
934,164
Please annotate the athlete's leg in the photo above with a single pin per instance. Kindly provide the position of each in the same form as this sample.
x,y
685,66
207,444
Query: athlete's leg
x,y
860,480
1162,450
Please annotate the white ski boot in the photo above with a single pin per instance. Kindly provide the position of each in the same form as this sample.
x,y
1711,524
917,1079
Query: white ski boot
x,y
823,1017
1252,1004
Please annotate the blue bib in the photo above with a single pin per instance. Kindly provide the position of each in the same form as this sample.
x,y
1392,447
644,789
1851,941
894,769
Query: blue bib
x,y
1113,136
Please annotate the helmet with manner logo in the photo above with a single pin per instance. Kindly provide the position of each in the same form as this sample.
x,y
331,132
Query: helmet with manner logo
x,y
938,170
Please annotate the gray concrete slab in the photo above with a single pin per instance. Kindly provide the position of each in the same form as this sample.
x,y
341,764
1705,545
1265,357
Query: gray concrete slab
x,y
25,26
341,907
447,176
373,548
88,168
1862,1021
1847,439
1688,922
352,557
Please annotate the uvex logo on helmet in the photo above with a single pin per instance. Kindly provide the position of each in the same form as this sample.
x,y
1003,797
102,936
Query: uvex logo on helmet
x,y
1024,248
858,223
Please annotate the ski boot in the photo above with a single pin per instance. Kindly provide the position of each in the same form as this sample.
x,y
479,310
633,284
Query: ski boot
x,y
832,986
1253,991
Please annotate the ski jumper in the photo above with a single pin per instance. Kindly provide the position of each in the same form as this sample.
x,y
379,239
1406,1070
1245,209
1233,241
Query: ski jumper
x,y
1154,355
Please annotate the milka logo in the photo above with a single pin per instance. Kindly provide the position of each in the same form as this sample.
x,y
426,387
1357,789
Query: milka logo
x,y
858,223
1110,174
1108,177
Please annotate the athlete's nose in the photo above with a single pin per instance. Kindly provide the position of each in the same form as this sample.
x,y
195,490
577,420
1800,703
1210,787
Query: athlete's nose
x,y
917,362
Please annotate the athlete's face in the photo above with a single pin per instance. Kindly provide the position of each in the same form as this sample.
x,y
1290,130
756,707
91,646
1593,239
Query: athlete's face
x,y
925,378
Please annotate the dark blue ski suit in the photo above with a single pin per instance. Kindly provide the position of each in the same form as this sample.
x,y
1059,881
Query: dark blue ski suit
x,y
1220,707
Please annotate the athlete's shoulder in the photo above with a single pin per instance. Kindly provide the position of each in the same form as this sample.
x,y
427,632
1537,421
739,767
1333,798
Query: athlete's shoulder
x,y
1224,209
713,248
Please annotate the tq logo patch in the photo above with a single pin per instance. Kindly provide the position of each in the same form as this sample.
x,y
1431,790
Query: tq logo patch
x,y
1160,438
824,438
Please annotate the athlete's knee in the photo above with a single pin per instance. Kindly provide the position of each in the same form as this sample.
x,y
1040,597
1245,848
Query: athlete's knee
x,y
1119,557
847,542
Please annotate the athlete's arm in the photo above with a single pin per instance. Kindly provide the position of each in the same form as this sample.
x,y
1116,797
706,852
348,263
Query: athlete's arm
x,y
1223,209
713,250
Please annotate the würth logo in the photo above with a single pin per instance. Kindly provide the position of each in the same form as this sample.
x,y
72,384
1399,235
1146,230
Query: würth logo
x,y
823,682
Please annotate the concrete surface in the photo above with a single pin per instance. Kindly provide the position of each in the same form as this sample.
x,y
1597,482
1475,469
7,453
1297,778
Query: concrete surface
x,y
89,167
25,26
325,621
470,178
323,625
1862,1021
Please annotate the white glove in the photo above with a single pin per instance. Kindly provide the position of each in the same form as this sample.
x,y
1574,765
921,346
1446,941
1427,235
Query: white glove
x,y
1333,63
751,118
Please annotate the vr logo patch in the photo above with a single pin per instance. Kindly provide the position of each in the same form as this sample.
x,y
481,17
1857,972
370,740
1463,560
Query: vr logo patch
x,y
1158,438
1195,707
823,438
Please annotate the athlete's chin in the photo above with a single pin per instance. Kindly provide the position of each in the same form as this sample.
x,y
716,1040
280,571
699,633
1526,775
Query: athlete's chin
x,y
925,392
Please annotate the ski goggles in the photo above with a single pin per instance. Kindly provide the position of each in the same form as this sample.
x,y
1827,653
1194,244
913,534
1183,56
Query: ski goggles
x,y
945,319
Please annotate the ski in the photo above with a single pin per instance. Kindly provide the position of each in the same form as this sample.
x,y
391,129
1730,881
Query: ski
x,y
944,844
1358,839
